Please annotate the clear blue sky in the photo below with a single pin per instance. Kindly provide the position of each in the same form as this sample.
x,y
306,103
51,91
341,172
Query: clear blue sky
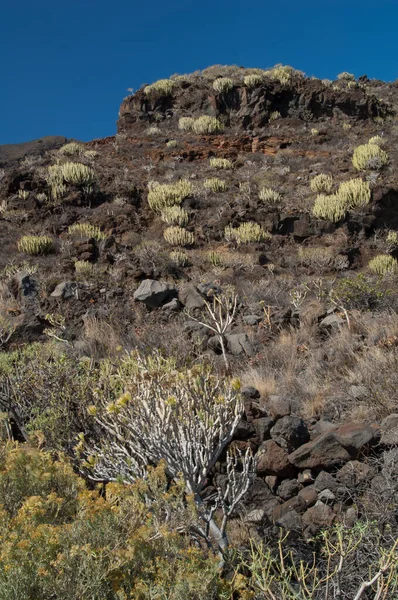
x,y
66,64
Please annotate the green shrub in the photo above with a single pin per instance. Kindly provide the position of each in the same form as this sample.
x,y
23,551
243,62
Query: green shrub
x,y
168,194
321,183
86,230
378,140
55,180
61,541
362,293
274,116
344,76
221,163
174,215
392,239
331,208
77,174
246,233
177,236
223,85
269,195
84,269
347,126
154,130
207,125
71,149
186,123
162,87
253,80
318,258
354,192
35,244
383,264
172,144
369,156
281,73
215,185
179,258
201,125
215,258
23,194
314,131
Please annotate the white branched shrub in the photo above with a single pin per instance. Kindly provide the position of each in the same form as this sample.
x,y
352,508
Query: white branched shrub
x,y
186,418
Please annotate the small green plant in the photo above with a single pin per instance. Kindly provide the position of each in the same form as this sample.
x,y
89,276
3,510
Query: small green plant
x,y
331,208
23,194
174,215
55,180
179,258
223,85
246,233
201,125
172,144
392,239
71,149
178,236
35,244
215,185
77,174
153,131
215,258
86,230
84,269
383,264
253,80
354,192
314,131
168,194
318,257
221,163
282,73
269,195
162,87
347,126
274,116
344,76
369,157
378,140
186,123
321,183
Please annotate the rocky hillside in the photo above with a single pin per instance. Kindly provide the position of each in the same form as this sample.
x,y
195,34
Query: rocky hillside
x,y
272,193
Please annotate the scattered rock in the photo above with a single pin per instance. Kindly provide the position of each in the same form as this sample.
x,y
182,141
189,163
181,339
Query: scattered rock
x,y
327,496
331,322
249,392
278,407
318,516
252,319
262,427
323,452
66,290
191,298
239,343
354,473
290,432
389,430
354,436
309,495
288,488
273,460
153,293
291,521
306,477
325,480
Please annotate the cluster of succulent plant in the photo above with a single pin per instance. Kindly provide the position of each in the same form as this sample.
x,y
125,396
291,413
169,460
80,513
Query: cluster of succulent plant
x,y
223,85
35,244
350,194
174,215
172,144
86,230
253,80
282,73
213,184
179,258
330,208
84,269
165,195
269,195
246,233
153,131
72,149
56,183
201,125
215,258
369,157
383,264
162,87
77,173
345,76
178,236
321,183
23,194
274,116
221,163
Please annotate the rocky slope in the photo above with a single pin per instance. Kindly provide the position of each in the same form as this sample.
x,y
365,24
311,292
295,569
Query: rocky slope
x,y
315,331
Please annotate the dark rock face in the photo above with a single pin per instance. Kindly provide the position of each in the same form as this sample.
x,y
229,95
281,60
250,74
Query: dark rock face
x,y
247,108
290,432
273,460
